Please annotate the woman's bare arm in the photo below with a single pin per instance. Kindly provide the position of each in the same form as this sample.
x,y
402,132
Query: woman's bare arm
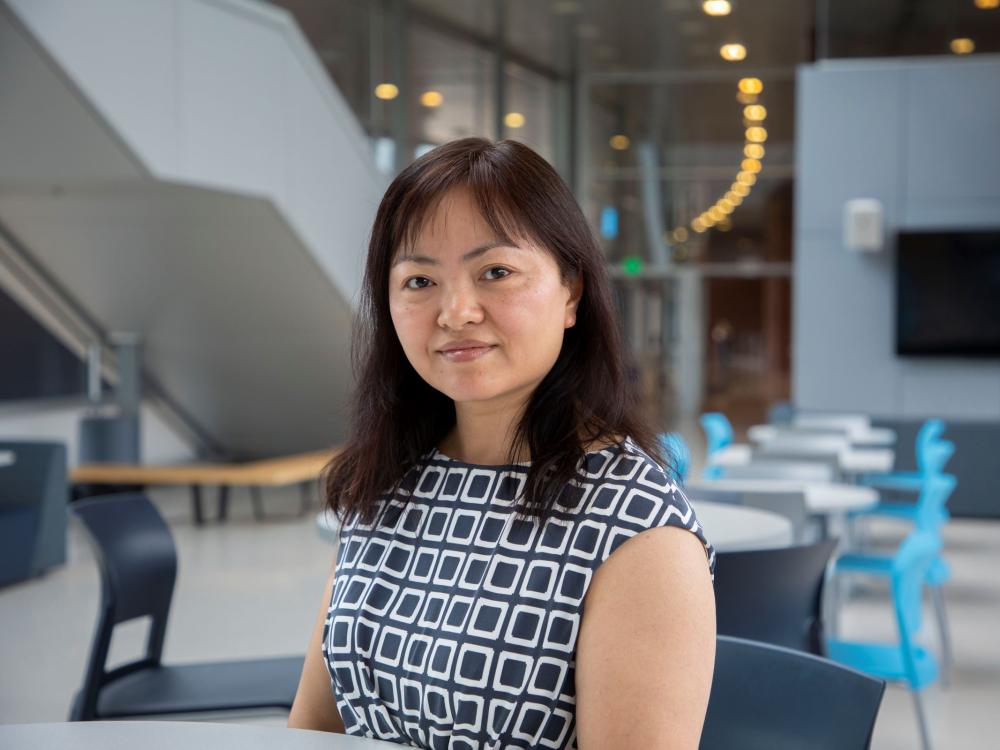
x,y
646,649
314,706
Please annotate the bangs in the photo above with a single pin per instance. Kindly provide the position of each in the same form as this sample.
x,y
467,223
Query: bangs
x,y
496,193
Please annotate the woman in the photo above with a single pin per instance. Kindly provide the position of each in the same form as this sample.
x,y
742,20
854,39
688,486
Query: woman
x,y
515,567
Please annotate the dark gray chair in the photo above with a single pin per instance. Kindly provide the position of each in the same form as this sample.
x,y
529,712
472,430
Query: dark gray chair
x,y
33,499
766,697
773,595
138,565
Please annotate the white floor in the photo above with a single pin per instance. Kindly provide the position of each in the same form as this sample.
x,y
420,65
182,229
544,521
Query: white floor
x,y
252,589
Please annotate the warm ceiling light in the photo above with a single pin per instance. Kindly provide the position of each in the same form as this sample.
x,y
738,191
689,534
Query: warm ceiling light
x,y
753,151
736,199
716,213
727,205
987,4
698,225
680,234
756,134
717,7
751,86
431,99
746,178
513,119
387,91
742,190
733,52
750,165
619,142
962,46
755,112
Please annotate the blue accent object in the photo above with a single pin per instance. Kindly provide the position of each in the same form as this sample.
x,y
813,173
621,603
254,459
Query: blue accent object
x,y
718,434
904,661
718,431
678,455
932,456
609,222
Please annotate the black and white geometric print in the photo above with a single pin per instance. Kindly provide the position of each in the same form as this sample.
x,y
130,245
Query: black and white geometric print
x,y
452,625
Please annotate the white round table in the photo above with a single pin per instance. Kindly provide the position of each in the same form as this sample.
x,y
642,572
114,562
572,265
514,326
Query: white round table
x,y
735,527
728,527
871,437
173,735
850,460
821,498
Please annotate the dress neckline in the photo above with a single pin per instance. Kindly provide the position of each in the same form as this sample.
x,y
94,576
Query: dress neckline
x,y
437,455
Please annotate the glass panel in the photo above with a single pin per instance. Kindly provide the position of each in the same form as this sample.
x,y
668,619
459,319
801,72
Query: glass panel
x,y
530,104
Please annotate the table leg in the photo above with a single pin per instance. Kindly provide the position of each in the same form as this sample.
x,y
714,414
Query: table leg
x,y
258,503
199,515
223,502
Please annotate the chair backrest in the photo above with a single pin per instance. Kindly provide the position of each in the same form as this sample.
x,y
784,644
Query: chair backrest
x,y
803,471
678,454
930,431
34,492
773,595
766,696
935,491
933,457
788,503
138,565
718,430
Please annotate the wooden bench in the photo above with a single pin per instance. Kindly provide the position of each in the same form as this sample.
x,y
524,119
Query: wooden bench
x,y
302,469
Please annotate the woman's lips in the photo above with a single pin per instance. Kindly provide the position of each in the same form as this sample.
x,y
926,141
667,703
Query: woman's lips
x,y
466,354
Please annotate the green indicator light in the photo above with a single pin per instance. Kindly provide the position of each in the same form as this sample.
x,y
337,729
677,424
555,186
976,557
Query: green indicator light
x,y
632,266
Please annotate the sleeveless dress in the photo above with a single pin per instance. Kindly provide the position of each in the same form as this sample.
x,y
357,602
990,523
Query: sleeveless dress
x,y
451,625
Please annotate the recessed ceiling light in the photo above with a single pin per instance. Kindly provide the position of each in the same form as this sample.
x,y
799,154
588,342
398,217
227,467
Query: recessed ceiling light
x,y
717,7
431,99
387,91
751,85
619,142
513,120
962,46
987,4
733,52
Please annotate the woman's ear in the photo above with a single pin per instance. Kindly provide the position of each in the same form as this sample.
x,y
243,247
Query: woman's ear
x,y
575,287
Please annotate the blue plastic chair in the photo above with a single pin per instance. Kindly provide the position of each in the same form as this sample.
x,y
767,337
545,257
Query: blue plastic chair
x,y
718,434
678,455
932,455
718,430
904,661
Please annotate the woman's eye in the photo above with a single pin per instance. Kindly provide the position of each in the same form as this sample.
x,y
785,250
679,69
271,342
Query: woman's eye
x,y
417,282
503,272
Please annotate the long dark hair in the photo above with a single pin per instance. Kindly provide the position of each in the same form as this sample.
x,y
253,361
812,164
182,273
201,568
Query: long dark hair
x,y
587,396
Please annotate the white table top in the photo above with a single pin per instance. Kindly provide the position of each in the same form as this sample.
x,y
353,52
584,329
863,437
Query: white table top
x,y
7,458
734,527
173,735
728,527
821,498
851,460
872,437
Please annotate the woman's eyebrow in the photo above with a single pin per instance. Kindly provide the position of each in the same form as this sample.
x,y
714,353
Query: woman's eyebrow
x,y
472,254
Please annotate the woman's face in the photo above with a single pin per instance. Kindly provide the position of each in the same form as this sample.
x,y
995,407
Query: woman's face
x,y
479,320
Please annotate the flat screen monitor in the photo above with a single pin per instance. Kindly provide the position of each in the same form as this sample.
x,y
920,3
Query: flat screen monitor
x,y
948,293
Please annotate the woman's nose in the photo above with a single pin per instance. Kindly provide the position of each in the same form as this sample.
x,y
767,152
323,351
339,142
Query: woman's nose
x,y
459,307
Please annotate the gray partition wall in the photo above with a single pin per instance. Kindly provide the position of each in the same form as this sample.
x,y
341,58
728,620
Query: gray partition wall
x,y
919,135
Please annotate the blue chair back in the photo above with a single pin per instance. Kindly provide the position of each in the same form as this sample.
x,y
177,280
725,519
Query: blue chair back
x,y
934,493
718,430
678,455
933,457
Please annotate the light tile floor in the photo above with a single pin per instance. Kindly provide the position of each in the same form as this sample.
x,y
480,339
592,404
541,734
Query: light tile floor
x,y
249,589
